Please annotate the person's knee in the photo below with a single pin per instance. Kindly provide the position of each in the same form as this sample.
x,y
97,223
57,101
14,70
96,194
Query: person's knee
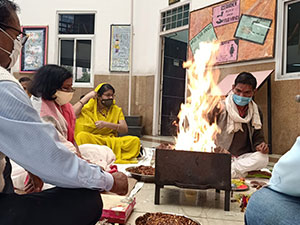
x,y
262,160
81,137
94,203
136,139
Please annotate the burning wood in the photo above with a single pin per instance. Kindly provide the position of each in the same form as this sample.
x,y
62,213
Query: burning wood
x,y
195,131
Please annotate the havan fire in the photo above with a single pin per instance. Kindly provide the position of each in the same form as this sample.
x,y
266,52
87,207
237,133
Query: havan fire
x,y
195,133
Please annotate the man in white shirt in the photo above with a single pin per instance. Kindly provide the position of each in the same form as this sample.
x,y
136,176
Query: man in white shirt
x,y
36,147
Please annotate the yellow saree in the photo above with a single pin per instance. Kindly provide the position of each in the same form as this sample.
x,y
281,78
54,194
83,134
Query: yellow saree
x,y
125,148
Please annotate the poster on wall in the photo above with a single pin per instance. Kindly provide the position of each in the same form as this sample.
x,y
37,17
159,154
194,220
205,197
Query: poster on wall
x,y
226,13
207,34
120,48
34,52
252,28
228,51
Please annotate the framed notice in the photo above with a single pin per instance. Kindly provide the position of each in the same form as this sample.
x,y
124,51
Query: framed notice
x,y
34,52
226,13
228,51
207,34
119,48
253,29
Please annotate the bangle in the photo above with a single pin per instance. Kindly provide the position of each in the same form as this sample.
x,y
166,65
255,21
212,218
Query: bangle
x,y
81,103
118,126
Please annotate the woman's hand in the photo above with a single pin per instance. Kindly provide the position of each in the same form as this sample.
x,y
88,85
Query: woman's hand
x,y
91,94
85,99
100,124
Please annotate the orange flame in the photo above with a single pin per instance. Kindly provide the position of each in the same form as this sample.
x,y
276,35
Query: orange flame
x,y
195,132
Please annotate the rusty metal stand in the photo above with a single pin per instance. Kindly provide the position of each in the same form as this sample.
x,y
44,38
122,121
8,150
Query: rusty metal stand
x,y
203,171
157,194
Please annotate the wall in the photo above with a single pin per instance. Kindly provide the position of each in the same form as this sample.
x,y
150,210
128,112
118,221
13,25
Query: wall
x,y
203,3
145,49
285,111
146,27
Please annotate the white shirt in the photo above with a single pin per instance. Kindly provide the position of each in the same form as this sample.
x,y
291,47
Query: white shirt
x,y
285,175
35,146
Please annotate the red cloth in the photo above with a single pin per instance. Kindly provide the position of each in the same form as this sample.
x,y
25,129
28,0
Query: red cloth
x,y
69,115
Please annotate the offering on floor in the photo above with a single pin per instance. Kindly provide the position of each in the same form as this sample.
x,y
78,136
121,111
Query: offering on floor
x,y
143,170
164,219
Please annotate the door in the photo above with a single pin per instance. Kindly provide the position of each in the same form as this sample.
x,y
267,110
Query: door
x,y
173,84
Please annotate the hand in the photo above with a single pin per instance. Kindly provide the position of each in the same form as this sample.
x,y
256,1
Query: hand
x,y
263,148
100,124
34,184
120,185
213,114
221,150
91,94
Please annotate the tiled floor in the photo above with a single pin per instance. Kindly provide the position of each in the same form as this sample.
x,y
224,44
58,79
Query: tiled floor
x,y
204,206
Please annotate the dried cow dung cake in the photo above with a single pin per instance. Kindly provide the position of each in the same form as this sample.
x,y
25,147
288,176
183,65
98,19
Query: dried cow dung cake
x,y
163,219
144,170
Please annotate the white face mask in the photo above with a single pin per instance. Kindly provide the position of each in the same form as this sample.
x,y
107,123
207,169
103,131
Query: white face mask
x,y
15,52
63,97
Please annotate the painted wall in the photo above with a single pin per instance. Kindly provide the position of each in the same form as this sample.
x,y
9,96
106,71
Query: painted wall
x,y
203,3
146,27
145,49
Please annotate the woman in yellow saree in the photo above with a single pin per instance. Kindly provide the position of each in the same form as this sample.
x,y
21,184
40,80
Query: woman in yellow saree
x,y
99,122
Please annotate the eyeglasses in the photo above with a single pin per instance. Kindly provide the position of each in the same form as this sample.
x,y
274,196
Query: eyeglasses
x,y
23,37
67,89
109,95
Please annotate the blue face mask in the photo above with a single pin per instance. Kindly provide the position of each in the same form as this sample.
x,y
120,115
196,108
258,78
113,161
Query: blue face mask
x,y
241,101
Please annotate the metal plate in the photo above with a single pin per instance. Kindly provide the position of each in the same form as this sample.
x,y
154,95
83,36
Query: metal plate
x,y
141,177
175,214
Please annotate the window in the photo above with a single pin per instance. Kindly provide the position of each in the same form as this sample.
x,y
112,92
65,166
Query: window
x,y
176,17
288,60
75,38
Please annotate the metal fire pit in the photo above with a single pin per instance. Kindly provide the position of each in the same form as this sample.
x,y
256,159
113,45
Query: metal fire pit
x,y
196,170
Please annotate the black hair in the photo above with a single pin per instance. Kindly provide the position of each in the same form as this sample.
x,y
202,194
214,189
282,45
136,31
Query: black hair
x,y
246,78
6,8
24,79
104,88
47,80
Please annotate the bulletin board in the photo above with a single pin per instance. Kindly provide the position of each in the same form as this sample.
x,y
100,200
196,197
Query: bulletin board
x,y
245,29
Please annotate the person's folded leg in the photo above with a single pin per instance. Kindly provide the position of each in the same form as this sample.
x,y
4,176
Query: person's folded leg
x,y
248,162
269,207
59,206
